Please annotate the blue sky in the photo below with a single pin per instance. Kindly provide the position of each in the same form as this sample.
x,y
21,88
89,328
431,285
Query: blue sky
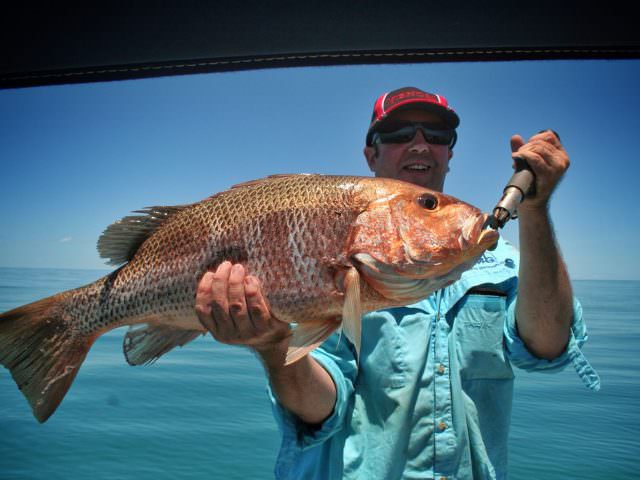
x,y
75,158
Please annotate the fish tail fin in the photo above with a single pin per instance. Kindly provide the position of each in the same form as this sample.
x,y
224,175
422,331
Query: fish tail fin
x,y
42,352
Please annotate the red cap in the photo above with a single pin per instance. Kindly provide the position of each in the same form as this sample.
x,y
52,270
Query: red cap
x,y
409,98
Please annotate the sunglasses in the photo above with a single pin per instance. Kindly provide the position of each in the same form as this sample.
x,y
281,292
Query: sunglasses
x,y
406,132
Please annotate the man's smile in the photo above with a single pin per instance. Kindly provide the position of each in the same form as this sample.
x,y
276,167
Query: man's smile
x,y
417,167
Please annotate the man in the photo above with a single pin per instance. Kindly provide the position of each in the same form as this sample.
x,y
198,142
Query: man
x,y
430,396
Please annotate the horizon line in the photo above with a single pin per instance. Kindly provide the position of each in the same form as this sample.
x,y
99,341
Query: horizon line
x,y
108,270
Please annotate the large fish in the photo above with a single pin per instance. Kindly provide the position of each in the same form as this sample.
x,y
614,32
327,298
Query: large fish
x,y
326,250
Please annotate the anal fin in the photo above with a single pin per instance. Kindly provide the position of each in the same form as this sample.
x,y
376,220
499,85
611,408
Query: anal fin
x,y
145,343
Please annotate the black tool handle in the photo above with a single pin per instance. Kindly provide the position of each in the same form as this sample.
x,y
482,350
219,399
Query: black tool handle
x,y
523,178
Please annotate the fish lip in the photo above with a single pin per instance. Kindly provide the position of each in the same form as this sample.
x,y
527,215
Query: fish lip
x,y
486,236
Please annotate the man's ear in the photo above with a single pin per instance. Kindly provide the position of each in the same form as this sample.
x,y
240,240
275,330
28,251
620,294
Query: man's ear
x,y
371,154
449,160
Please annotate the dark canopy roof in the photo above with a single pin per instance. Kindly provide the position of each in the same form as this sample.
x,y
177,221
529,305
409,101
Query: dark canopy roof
x,y
59,43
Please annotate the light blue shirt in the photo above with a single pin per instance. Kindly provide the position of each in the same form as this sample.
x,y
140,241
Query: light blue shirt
x,y
431,395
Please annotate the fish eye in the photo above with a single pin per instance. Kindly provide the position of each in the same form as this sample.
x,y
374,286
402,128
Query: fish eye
x,y
428,201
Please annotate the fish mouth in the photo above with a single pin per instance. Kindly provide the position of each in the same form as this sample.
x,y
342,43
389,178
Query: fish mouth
x,y
475,236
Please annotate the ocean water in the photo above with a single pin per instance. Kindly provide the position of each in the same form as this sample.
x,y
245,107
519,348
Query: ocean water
x,y
201,411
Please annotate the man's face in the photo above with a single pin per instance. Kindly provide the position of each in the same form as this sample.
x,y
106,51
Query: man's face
x,y
416,161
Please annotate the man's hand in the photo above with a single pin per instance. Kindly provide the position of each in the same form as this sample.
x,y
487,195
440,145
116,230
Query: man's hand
x,y
231,306
549,161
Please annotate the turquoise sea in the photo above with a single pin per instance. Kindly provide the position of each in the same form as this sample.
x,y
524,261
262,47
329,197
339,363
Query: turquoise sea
x,y
201,412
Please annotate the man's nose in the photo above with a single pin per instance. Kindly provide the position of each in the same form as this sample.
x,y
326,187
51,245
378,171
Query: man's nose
x,y
419,143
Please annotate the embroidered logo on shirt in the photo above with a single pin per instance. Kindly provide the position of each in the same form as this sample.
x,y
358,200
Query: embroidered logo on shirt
x,y
487,258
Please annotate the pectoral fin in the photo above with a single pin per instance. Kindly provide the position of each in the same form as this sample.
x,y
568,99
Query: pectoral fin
x,y
307,337
352,309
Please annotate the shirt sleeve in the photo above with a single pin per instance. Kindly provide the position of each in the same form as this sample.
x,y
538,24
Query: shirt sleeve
x,y
522,358
337,357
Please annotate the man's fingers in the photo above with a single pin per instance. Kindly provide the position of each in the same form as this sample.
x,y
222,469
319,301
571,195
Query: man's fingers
x,y
516,142
237,304
257,305
544,142
203,301
549,135
542,154
224,326
268,329
537,163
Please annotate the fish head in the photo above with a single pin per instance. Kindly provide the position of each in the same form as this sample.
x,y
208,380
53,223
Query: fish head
x,y
411,241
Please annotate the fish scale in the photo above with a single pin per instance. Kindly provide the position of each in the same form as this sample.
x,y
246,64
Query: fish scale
x,y
325,248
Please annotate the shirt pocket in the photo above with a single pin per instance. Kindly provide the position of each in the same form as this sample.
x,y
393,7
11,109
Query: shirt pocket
x,y
388,359
479,338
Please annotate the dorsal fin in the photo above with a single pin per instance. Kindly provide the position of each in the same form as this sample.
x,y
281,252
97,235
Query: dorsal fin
x,y
120,241
260,181
269,178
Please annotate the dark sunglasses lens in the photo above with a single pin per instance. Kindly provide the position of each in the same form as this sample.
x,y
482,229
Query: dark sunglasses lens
x,y
437,139
405,134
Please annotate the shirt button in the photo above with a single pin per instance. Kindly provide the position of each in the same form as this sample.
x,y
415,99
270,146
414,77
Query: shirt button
x,y
442,426
441,369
